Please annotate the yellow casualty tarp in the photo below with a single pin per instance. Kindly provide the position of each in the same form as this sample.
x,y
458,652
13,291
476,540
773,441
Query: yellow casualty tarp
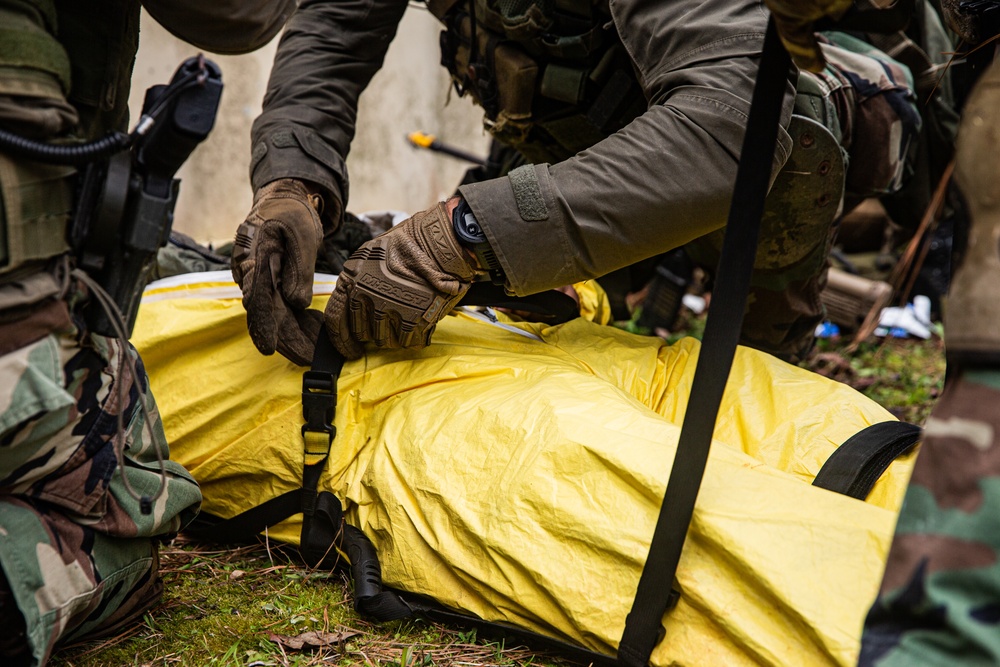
x,y
516,472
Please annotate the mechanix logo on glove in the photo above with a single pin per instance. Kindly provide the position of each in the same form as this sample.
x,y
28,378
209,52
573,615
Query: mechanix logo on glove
x,y
396,287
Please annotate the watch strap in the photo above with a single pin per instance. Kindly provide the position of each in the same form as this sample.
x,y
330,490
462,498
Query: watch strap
x,y
470,235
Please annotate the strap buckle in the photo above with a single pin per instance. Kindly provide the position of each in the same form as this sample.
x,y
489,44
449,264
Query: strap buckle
x,y
319,404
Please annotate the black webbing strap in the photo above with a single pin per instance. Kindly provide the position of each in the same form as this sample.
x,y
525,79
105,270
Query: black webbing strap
x,y
245,526
554,307
643,626
374,600
432,611
321,511
858,463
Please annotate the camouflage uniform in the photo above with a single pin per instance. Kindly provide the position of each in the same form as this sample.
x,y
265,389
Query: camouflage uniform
x,y
866,100
81,441
940,599
77,554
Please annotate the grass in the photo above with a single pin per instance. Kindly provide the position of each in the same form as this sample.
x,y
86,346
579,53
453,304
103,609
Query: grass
x,y
255,606
903,375
258,607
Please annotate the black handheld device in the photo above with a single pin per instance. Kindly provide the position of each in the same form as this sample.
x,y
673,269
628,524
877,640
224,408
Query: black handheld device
x,y
125,206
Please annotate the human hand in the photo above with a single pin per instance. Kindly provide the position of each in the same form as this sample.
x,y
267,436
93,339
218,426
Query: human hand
x,y
274,258
794,21
396,287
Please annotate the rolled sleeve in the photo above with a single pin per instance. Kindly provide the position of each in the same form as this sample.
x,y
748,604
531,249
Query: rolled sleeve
x,y
326,58
663,180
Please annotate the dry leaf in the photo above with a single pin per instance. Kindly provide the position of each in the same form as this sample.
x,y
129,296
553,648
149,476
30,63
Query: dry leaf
x,y
312,641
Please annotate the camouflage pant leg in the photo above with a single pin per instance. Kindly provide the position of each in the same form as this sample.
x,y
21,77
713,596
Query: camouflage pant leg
x,y
76,550
852,126
783,306
940,598
796,232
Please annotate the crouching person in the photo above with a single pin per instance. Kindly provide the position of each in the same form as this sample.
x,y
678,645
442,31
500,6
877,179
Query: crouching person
x,y
87,491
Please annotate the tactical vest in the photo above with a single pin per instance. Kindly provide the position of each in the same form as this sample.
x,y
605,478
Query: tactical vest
x,y
58,49
552,75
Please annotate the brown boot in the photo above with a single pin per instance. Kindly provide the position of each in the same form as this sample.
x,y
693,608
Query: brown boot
x,y
972,310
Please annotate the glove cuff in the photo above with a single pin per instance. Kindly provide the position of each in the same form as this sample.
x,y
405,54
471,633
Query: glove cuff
x,y
438,235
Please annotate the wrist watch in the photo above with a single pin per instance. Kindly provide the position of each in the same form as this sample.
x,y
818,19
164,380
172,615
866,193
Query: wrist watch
x,y
470,235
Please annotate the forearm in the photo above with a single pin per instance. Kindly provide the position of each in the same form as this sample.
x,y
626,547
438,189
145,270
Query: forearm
x,y
327,56
664,180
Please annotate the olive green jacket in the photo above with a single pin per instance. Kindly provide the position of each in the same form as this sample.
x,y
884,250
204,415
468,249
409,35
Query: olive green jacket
x,y
662,181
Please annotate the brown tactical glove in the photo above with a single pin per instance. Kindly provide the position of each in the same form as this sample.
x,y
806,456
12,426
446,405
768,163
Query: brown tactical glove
x,y
274,258
395,288
794,20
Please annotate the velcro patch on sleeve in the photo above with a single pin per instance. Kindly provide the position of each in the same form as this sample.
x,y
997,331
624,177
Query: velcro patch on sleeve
x,y
528,193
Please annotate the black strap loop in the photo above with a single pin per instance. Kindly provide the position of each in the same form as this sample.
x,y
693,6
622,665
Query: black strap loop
x,y
857,464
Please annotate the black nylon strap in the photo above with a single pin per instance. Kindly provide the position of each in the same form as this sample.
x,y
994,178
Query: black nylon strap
x,y
246,526
321,511
858,463
554,306
643,627
432,611
322,517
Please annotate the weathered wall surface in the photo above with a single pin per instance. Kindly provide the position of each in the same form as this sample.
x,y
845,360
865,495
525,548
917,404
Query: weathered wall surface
x,y
409,94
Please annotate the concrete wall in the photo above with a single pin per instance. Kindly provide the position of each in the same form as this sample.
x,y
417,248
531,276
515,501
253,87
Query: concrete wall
x,y
409,94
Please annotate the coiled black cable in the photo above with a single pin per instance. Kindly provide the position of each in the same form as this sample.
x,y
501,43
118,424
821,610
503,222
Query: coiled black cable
x,y
74,154
108,145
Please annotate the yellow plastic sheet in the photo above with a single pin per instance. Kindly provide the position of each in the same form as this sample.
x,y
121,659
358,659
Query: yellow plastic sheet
x,y
516,472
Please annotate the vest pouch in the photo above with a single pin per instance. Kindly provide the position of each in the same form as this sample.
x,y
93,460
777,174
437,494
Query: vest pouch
x,y
516,74
456,54
36,202
565,84
513,73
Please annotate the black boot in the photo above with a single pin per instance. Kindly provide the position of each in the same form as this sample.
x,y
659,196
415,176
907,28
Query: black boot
x,y
14,648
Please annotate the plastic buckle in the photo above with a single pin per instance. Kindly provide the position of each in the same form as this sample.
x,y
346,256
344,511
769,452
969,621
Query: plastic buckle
x,y
319,404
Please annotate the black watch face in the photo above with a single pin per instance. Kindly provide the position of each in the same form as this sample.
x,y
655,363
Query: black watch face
x,y
472,227
466,226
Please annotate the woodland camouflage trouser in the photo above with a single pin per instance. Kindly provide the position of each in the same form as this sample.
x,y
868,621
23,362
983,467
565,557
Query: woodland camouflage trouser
x,y
77,552
940,598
